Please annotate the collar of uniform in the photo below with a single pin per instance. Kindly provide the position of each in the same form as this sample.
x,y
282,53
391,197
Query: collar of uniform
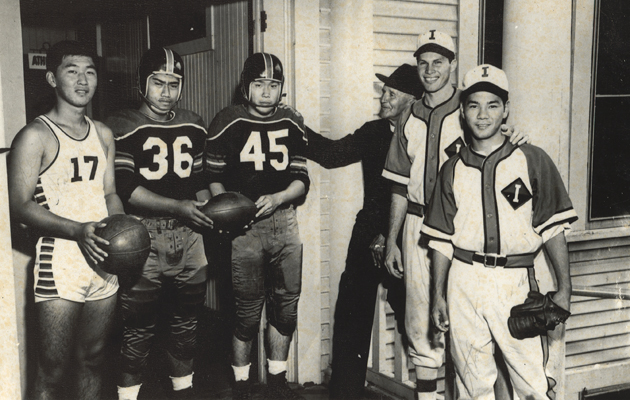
x,y
453,99
476,160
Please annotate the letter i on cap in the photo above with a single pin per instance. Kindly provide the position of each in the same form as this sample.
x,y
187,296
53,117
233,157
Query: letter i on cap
x,y
485,78
436,42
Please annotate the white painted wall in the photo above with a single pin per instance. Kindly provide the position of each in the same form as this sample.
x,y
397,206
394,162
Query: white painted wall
x,y
298,51
12,265
537,60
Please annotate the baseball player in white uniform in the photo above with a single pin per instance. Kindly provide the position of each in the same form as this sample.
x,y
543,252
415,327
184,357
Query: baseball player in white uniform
x,y
421,144
493,208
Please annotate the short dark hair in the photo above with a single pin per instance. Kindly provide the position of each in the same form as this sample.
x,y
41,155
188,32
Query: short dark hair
x,y
59,50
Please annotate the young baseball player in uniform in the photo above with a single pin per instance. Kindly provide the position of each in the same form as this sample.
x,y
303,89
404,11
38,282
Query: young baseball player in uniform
x,y
354,312
159,172
421,144
494,207
258,149
61,183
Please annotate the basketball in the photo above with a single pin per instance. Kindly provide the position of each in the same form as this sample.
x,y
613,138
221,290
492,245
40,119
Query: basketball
x,y
230,211
129,246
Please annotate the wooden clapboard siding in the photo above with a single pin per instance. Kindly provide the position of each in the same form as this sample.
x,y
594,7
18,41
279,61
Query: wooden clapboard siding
x,y
598,331
397,25
212,77
325,27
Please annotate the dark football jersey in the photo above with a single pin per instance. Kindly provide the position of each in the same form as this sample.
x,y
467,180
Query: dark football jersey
x,y
256,156
163,157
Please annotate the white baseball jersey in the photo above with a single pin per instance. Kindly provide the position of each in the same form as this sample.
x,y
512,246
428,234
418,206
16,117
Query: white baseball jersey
x,y
428,138
507,203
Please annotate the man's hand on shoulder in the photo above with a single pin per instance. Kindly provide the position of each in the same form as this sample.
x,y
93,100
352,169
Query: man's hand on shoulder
x,y
296,112
516,136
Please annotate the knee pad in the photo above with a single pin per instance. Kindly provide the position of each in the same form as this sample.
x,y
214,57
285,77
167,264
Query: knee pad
x,y
183,338
135,349
248,318
282,314
139,308
189,298
139,313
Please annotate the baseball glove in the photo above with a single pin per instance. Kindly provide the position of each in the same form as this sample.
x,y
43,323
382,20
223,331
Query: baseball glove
x,y
536,316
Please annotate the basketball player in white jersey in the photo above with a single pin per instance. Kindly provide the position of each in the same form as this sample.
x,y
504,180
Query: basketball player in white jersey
x,y
61,183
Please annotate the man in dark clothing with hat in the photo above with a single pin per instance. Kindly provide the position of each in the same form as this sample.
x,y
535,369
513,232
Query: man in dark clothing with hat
x,y
354,313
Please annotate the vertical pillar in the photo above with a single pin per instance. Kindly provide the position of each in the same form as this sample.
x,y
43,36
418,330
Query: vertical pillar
x,y
298,49
12,269
537,60
351,105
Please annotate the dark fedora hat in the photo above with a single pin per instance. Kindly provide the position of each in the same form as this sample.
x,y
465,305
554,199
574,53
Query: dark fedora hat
x,y
404,78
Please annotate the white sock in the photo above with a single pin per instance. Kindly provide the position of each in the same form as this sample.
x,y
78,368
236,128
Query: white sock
x,y
129,393
276,367
241,373
182,382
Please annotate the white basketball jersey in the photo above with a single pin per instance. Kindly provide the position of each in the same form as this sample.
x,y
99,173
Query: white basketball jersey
x,y
72,186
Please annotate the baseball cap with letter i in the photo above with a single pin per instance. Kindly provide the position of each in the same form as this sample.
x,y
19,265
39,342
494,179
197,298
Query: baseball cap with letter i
x,y
436,42
485,78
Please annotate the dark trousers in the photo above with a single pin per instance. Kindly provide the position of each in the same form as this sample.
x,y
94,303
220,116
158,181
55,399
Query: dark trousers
x,y
354,314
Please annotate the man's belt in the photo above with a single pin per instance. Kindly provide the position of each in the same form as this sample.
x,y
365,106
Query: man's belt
x,y
415,209
495,260
162,223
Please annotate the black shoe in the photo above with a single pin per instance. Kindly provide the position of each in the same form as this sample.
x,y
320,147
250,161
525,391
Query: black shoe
x,y
278,388
187,393
242,390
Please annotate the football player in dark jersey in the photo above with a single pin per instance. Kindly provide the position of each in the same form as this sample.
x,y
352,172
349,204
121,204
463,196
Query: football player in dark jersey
x,y
159,165
258,149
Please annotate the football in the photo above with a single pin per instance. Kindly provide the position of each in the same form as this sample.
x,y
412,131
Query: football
x,y
128,249
230,211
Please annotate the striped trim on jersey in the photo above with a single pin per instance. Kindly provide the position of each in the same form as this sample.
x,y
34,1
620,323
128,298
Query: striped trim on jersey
x,y
215,163
403,180
298,165
124,161
271,121
198,161
144,126
39,196
46,286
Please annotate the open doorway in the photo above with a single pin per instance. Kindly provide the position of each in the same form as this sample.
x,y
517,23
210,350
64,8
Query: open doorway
x,y
214,38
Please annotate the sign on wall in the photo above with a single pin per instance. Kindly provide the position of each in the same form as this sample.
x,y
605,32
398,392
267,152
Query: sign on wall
x,y
37,60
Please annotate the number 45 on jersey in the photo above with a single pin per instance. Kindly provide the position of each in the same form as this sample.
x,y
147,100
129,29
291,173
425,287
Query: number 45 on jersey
x,y
253,150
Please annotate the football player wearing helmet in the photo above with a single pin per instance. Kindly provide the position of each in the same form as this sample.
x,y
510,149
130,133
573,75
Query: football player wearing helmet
x,y
159,166
258,149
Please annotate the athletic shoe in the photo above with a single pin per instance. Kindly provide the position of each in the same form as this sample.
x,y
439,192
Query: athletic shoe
x,y
242,390
183,394
278,388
